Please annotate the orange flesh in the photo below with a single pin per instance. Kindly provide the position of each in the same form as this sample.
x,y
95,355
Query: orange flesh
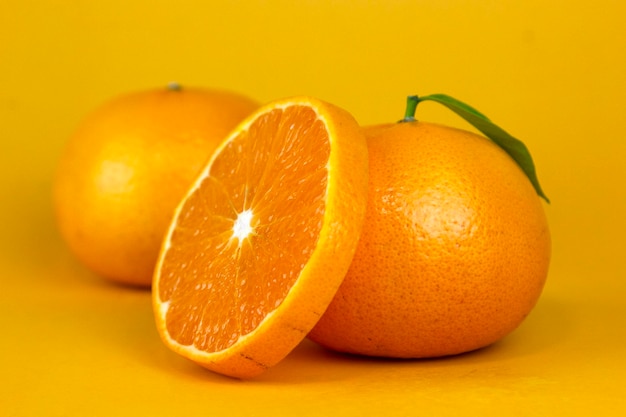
x,y
232,283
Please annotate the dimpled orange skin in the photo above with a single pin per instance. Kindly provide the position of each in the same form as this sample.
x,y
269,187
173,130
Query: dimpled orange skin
x,y
454,251
127,166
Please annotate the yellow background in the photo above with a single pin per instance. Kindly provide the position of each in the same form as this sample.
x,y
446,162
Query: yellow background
x,y
550,72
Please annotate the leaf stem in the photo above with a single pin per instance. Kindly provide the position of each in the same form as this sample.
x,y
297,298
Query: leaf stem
x,y
411,106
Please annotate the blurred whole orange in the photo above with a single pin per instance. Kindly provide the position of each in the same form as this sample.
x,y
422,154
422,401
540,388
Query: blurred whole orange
x,y
128,165
454,251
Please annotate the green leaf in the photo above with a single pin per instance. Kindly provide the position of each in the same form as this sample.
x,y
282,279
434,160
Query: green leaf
x,y
514,147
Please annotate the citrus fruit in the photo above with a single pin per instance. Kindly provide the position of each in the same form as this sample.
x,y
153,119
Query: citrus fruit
x,y
454,251
127,166
262,240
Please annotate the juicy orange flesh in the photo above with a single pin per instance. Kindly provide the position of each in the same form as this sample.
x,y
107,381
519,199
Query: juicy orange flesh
x,y
217,287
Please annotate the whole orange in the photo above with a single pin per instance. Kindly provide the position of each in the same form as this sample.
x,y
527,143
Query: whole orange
x,y
128,165
454,251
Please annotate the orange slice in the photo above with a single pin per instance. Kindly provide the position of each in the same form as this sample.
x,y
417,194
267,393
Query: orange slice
x,y
261,242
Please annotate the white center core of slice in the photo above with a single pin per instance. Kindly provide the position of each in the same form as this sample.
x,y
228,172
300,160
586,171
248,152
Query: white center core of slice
x,y
242,227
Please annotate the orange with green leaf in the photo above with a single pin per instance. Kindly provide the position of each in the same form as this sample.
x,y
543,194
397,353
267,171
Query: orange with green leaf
x,y
455,247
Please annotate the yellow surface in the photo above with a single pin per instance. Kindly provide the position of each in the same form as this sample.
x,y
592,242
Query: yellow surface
x,y
552,73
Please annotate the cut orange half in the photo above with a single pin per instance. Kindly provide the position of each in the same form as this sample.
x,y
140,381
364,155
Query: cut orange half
x,y
261,242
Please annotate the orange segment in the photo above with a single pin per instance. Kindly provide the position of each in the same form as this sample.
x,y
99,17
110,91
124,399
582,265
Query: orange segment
x,y
262,241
